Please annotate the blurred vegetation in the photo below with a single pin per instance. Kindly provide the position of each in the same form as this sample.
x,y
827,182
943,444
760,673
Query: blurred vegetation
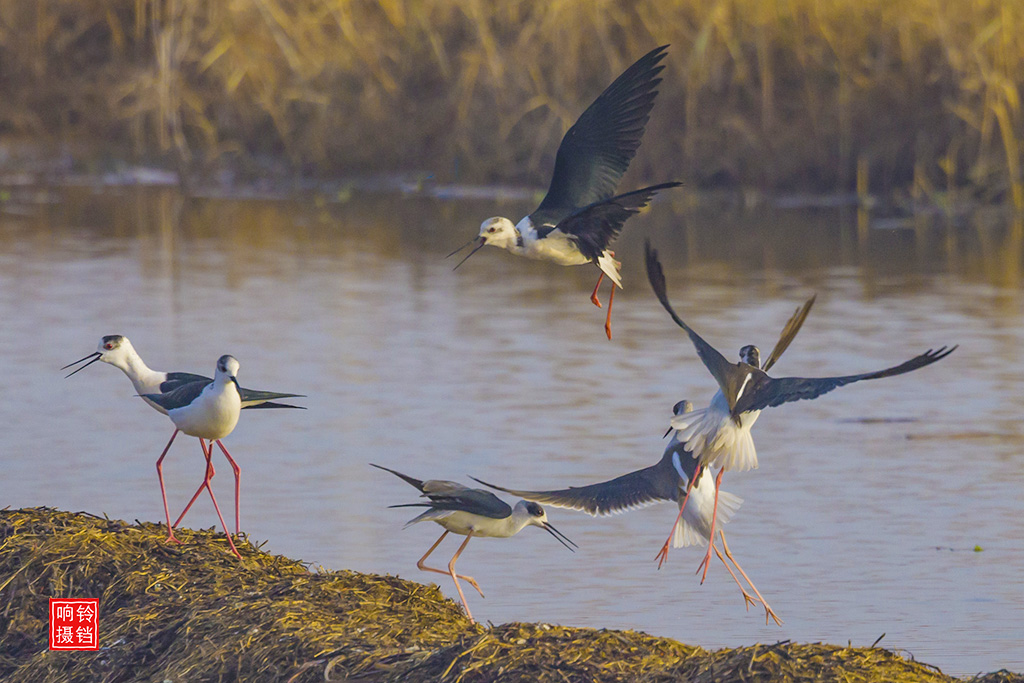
x,y
922,96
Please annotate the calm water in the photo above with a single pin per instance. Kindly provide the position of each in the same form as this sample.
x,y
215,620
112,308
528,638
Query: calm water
x,y
852,527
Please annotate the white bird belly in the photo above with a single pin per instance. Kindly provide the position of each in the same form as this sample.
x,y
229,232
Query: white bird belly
x,y
695,526
464,523
556,247
715,439
211,416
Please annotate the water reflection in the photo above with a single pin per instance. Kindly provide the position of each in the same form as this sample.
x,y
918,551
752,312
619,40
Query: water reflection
x,y
502,370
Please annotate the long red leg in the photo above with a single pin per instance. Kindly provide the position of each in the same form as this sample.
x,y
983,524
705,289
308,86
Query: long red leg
x,y
424,568
206,477
706,562
163,491
238,472
663,553
206,484
608,319
768,611
748,600
451,570
593,295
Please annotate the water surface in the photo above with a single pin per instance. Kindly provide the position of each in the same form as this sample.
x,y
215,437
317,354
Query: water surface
x,y
861,520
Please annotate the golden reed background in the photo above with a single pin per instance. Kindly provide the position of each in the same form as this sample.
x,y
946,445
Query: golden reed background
x,y
912,95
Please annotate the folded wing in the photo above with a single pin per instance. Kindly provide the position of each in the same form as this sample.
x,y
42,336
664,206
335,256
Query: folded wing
x,y
180,397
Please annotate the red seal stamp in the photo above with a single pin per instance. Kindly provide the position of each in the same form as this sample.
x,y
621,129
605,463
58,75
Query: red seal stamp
x,y
74,624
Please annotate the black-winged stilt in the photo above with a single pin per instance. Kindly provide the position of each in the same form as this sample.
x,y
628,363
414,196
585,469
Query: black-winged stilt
x,y
719,435
207,409
471,512
580,215
667,480
117,350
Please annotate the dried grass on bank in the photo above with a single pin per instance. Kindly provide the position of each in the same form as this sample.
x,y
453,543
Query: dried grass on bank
x,y
195,613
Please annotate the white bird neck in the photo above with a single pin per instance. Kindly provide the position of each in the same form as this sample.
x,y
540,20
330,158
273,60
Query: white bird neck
x,y
525,234
518,520
144,378
500,233
222,384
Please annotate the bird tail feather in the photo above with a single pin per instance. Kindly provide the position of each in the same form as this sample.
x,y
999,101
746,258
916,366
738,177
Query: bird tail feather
x,y
610,267
716,440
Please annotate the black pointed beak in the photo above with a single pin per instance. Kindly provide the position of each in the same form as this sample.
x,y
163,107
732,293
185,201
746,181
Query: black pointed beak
x,y
462,247
95,356
478,247
237,385
562,538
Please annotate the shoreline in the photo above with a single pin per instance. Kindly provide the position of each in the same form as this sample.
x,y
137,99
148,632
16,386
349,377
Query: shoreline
x,y
25,178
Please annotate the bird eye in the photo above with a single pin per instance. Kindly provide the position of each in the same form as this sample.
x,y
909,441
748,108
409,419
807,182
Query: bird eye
x,y
491,229
108,346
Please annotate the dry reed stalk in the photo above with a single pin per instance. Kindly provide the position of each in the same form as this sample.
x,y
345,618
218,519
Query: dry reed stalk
x,y
775,94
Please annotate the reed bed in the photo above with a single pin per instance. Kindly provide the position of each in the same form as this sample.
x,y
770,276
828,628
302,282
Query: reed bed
x,y
916,96
195,613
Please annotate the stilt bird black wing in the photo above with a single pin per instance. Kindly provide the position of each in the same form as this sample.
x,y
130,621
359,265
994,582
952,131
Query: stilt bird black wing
x,y
475,501
597,150
628,492
788,333
270,404
768,392
177,379
252,398
595,226
180,397
449,495
721,369
411,480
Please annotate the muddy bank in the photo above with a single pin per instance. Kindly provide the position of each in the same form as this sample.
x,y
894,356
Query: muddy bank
x,y
193,612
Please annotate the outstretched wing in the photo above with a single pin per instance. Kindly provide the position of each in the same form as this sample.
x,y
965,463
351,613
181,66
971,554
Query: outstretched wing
x,y
770,392
180,397
597,150
788,333
628,492
714,361
594,226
